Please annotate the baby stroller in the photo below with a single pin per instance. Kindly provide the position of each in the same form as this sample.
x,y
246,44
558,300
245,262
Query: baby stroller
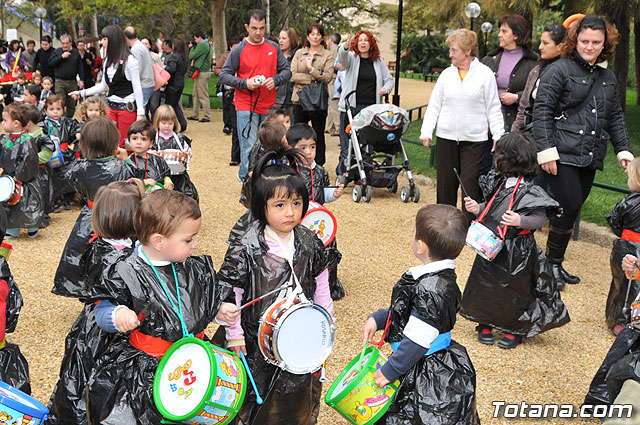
x,y
374,142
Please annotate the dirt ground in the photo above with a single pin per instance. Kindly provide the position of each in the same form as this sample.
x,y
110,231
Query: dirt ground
x,y
555,367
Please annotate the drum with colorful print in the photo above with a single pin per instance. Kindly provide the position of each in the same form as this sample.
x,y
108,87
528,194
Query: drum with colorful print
x,y
320,221
177,160
483,241
199,383
355,394
635,314
17,407
57,159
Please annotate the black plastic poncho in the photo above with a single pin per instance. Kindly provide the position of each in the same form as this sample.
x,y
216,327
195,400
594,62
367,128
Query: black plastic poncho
x,y
41,141
87,176
120,389
440,388
14,368
622,362
181,182
515,292
153,167
625,215
65,130
84,344
288,398
20,161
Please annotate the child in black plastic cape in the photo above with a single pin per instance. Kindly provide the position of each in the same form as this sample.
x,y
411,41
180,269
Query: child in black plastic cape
x,y
15,369
515,292
166,123
258,263
624,220
438,381
112,222
45,148
302,137
20,161
271,137
98,143
64,129
153,168
172,292
275,113
617,381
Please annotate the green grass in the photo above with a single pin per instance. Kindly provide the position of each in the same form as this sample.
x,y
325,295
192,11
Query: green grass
x,y
216,103
600,201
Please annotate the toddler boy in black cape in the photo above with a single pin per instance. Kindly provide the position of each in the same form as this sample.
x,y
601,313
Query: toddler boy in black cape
x,y
438,380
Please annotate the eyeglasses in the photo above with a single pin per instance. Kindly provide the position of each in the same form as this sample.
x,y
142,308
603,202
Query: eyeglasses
x,y
453,51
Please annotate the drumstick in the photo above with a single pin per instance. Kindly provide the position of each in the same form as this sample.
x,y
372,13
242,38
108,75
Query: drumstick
x,y
464,191
246,366
262,296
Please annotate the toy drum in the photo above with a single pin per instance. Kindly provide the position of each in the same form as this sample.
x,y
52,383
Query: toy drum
x,y
56,159
483,241
199,383
320,221
635,314
177,160
17,407
298,338
10,190
5,250
354,393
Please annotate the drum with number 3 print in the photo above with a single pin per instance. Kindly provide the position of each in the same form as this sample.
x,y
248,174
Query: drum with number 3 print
x,y
199,383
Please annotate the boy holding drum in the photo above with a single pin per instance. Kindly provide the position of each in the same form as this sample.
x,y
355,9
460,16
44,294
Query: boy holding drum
x,y
438,380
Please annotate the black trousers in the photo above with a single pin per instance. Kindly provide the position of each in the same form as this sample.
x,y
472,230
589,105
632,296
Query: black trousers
x,y
570,187
467,158
318,121
173,97
228,109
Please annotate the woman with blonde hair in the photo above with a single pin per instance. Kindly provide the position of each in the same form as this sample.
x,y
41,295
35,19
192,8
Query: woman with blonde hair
x,y
463,108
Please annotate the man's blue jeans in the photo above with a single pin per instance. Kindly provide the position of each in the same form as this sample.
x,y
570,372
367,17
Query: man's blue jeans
x,y
247,136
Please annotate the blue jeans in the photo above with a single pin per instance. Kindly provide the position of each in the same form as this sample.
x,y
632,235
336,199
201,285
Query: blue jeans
x,y
146,94
247,136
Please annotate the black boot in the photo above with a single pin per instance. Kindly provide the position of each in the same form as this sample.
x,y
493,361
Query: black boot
x,y
335,286
556,247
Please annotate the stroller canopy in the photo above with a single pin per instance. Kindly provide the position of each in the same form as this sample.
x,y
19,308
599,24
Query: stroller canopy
x,y
386,117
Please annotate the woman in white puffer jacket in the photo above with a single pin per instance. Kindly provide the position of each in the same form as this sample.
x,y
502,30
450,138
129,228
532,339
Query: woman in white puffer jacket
x,y
464,107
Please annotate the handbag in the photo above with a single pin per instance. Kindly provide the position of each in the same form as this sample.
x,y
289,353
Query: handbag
x,y
314,97
160,75
192,71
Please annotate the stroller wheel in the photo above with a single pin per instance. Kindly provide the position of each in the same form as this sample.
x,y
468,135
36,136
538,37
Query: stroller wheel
x,y
394,187
405,194
368,193
416,194
357,193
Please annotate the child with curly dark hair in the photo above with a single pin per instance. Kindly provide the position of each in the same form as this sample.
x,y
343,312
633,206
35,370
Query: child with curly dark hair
x,y
514,291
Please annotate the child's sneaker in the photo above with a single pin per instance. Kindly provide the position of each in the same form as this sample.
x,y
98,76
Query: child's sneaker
x,y
33,234
485,334
509,341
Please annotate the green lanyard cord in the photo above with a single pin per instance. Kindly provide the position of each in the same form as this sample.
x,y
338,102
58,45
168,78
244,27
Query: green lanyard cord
x,y
185,331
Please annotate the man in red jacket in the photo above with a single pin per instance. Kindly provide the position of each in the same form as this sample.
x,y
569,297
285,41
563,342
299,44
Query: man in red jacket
x,y
254,68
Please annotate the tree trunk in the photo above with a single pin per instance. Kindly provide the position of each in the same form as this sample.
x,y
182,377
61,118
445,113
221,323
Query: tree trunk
x,y
622,56
71,25
636,32
219,26
94,25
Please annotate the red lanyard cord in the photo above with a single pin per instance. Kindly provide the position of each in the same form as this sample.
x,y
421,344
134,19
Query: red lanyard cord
x,y
502,231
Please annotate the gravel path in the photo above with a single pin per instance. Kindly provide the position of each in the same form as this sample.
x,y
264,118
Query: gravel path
x,y
555,367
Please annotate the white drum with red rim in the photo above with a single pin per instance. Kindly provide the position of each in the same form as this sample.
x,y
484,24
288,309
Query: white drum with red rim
x,y
320,221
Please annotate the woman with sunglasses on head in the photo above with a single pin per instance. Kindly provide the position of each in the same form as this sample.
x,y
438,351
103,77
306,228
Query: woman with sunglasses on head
x,y
577,110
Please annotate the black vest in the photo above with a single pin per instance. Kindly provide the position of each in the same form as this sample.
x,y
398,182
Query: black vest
x,y
119,86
